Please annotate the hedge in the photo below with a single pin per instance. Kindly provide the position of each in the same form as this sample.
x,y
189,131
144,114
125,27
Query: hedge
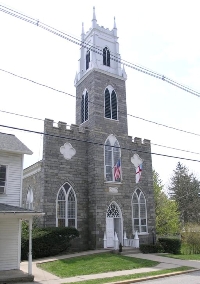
x,y
171,245
47,241
150,248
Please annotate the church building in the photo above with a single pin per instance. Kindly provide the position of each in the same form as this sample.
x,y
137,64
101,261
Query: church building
x,y
93,176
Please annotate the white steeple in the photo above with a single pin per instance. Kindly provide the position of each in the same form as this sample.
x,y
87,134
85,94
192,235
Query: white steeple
x,y
99,47
94,20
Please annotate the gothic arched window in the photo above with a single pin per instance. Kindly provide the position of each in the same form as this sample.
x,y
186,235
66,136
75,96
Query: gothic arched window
x,y
66,207
112,167
110,103
139,212
84,107
87,59
106,57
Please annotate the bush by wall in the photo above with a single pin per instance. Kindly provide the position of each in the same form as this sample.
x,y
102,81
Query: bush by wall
x,y
47,241
150,248
171,245
191,239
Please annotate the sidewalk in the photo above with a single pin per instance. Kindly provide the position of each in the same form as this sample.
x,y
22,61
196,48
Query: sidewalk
x,y
43,277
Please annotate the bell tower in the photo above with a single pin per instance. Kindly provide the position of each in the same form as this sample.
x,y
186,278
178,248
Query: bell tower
x,y
100,81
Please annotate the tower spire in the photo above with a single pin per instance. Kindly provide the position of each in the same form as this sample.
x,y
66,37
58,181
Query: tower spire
x,y
115,28
94,20
83,33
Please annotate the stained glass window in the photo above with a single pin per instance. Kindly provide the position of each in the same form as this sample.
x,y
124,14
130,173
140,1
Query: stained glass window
x,y
139,212
66,207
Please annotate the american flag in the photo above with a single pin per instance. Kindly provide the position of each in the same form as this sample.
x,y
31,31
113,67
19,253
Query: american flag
x,y
117,170
138,173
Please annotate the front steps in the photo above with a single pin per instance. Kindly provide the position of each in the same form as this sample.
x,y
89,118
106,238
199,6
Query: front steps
x,y
127,250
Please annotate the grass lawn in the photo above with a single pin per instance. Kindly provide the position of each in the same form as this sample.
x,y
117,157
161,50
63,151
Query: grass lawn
x,y
134,276
184,256
92,264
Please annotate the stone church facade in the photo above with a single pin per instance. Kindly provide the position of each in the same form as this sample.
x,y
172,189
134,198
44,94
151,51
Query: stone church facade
x,y
87,177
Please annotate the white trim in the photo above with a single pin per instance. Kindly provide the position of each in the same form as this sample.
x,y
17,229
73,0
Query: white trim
x,y
100,71
112,140
6,180
139,232
110,89
21,180
33,169
66,204
84,93
120,217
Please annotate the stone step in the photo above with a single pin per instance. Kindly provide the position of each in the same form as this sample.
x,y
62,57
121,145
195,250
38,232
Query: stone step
x,y
15,276
127,250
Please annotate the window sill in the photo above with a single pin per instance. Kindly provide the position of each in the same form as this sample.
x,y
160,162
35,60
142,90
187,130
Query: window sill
x,y
117,120
113,182
143,234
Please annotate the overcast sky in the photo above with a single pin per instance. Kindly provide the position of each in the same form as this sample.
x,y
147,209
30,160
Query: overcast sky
x,y
162,36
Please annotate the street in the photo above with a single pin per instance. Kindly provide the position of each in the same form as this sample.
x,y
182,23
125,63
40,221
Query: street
x,y
193,278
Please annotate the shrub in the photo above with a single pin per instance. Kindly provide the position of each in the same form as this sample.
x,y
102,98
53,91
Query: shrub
x,y
191,239
47,241
171,245
150,248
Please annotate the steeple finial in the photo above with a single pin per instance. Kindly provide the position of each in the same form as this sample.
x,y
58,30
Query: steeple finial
x,y
114,24
94,20
83,33
83,29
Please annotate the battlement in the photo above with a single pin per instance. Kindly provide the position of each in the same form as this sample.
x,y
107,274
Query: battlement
x,y
50,125
141,142
101,29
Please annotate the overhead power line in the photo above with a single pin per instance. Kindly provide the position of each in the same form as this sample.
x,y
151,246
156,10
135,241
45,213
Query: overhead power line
x,y
131,115
95,49
40,119
97,143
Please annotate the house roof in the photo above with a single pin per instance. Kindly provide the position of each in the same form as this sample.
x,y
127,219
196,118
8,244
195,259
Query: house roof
x,y
10,143
7,210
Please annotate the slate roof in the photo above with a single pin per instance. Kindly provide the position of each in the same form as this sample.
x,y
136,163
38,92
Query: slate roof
x,y
9,208
10,143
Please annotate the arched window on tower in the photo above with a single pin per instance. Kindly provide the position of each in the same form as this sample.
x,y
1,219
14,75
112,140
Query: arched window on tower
x,y
84,106
110,103
139,212
87,59
66,207
113,171
106,57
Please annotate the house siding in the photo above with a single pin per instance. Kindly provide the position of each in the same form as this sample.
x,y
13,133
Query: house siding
x,y
14,182
9,244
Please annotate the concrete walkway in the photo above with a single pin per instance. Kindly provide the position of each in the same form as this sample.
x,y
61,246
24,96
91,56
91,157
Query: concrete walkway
x,y
43,277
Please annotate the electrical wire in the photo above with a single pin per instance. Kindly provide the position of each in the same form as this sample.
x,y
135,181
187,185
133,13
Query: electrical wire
x,y
94,103
96,50
40,119
97,143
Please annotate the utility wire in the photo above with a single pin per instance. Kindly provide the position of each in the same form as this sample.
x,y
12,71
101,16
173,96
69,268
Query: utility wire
x,y
97,143
95,49
164,146
131,115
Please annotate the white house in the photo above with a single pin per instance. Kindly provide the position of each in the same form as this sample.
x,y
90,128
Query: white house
x,y
12,152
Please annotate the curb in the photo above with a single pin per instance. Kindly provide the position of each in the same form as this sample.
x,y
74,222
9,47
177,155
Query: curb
x,y
154,277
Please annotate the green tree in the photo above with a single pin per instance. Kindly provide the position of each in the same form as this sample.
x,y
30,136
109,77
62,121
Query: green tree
x,y
167,215
184,189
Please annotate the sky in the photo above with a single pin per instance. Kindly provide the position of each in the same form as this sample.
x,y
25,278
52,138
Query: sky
x,y
159,35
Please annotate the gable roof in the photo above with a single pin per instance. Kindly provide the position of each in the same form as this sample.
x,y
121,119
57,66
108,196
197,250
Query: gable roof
x,y
15,211
10,143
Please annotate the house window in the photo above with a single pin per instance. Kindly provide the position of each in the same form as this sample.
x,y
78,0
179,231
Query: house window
x,y
139,212
87,59
110,103
112,160
84,107
3,170
66,207
106,57
29,199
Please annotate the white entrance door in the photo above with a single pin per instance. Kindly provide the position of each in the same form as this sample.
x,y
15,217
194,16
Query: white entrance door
x,y
117,229
110,232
